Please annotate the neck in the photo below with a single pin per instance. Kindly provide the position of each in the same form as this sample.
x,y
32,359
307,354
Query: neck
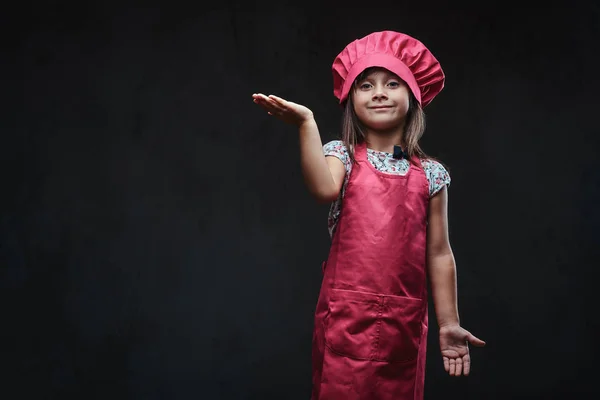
x,y
384,141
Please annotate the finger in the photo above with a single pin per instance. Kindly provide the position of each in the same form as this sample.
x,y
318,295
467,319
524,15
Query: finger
x,y
277,99
263,104
268,105
466,365
475,341
452,366
259,96
272,103
446,364
280,105
459,366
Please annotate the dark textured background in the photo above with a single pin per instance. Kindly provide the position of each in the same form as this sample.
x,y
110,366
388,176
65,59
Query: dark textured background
x,y
156,239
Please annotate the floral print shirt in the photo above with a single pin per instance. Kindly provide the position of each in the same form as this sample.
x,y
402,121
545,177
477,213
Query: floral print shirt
x,y
436,174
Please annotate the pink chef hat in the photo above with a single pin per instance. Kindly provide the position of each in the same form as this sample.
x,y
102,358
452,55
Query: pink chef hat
x,y
397,52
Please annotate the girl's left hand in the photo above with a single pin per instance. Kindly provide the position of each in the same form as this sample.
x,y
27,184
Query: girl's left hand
x,y
454,345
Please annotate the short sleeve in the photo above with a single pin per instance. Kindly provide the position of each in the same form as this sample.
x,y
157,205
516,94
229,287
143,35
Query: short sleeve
x,y
437,176
337,149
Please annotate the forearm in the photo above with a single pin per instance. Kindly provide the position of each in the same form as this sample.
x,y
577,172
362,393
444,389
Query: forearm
x,y
442,275
315,170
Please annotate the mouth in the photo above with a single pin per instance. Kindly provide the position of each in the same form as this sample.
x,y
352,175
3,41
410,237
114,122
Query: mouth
x,y
381,107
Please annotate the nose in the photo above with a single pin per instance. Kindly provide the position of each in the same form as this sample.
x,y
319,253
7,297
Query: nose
x,y
379,93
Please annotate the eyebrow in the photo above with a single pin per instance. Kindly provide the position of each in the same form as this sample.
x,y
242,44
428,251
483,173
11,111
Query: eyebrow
x,y
387,76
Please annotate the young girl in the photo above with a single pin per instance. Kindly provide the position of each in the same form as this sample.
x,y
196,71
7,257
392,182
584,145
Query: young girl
x,y
388,225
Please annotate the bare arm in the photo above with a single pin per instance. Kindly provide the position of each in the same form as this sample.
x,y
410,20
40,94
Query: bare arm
x,y
441,267
323,175
440,261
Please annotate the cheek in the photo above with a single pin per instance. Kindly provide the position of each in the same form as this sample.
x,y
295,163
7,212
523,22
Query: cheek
x,y
405,105
359,105
360,98
403,101
361,112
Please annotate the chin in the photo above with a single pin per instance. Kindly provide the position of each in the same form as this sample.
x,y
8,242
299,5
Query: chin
x,y
383,129
385,126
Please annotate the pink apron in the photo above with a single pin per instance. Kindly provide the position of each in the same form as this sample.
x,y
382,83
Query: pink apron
x,y
370,333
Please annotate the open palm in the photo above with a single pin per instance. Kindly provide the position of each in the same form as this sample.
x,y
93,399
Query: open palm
x,y
454,345
286,111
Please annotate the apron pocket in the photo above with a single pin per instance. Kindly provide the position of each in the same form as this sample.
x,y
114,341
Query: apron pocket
x,y
400,334
368,326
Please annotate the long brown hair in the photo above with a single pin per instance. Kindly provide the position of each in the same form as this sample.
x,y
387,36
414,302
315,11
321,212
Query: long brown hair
x,y
353,131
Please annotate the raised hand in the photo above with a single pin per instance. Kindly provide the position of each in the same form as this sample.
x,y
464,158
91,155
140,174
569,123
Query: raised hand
x,y
454,345
286,111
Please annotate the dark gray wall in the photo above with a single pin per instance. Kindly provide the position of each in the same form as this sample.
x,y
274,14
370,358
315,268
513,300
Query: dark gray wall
x,y
157,241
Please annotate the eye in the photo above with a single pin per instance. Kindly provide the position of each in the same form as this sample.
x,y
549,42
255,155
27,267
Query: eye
x,y
365,86
394,84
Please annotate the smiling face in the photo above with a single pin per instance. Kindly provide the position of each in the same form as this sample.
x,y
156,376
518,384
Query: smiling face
x,y
381,100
